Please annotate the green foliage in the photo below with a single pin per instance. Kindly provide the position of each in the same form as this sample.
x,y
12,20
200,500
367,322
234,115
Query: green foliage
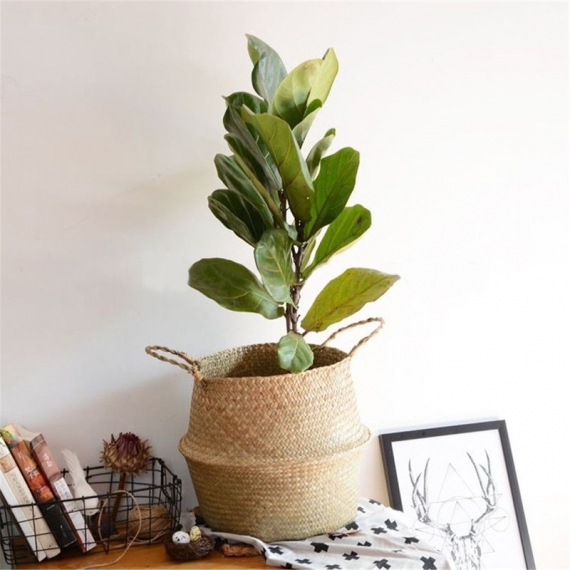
x,y
290,207
268,69
350,224
305,89
237,215
233,286
294,353
345,295
278,137
317,152
273,260
333,186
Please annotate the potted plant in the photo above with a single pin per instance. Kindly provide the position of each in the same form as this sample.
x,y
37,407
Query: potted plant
x,y
266,415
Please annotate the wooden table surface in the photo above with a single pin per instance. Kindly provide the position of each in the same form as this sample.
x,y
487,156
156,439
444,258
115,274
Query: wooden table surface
x,y
148,556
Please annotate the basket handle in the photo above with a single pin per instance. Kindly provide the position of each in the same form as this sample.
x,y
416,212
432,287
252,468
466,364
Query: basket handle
x,y
363,341
189,364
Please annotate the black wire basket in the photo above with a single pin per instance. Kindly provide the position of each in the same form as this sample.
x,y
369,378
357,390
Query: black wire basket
x,y
144,512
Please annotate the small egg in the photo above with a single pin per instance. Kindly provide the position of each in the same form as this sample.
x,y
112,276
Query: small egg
x,y
181,537
195,534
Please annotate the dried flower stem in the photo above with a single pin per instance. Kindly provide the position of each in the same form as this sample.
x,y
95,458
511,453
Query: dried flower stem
x,y
119,497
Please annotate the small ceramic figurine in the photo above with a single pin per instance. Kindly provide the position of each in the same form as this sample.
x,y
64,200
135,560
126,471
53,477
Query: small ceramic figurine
x,y
181,537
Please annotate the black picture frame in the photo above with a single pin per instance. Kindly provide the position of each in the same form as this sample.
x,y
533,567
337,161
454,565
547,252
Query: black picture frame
x,y
477,499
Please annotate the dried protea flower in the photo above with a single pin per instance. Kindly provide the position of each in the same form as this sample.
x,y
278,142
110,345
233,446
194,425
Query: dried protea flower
x,y
126,454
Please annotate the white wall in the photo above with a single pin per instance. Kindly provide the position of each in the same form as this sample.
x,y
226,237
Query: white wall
x,y
111,116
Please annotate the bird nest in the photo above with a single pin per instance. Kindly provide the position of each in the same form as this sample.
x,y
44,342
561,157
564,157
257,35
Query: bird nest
x,y
190,551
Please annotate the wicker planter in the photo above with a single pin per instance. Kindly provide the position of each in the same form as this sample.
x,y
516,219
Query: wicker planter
x,y
273,455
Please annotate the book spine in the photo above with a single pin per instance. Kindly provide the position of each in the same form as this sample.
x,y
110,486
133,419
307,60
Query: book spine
x,y
40,488
21,502
44,458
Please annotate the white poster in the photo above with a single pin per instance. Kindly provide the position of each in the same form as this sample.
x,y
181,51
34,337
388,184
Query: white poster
x,y
456,483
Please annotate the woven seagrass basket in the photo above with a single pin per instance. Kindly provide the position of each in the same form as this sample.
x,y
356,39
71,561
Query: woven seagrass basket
x,y
271,454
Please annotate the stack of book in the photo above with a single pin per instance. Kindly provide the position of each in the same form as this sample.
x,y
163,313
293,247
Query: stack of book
x,y
34,489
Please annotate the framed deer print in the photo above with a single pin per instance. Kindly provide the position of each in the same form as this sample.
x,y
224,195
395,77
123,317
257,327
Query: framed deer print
x,y
458,486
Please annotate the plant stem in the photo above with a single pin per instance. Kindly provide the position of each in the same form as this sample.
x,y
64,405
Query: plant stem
x,y
293,309
119,497
292,312
288,308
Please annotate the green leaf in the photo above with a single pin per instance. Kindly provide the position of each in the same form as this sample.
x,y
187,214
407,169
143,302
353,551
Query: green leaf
x,y
234,124
233,286
297,183
273,260
235,179
333,187
301,130
322,83
293,353
271,203
238,215
239,98
352,222
290,100
345,295
317,152
258,159
268,71
308,252
305,89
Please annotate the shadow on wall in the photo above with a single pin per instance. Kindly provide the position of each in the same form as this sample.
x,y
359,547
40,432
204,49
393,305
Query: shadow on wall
x,y
158,411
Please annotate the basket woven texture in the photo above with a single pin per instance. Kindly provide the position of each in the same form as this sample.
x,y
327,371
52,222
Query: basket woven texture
x,y
261,415
272,455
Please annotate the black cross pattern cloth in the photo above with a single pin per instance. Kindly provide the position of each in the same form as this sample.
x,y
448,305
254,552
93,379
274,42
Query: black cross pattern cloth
x,y
378,538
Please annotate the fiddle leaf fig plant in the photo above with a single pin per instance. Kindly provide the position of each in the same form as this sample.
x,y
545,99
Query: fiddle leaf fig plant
x,y
289,205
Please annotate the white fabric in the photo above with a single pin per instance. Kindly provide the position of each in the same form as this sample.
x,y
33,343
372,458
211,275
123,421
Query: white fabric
x,y
379,538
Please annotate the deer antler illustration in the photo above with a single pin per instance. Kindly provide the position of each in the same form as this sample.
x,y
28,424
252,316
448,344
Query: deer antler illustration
x,y
419,499
465,549
488,489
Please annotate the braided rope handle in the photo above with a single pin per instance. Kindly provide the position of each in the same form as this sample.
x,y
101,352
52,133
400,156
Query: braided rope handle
x,y
363,341
189,364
